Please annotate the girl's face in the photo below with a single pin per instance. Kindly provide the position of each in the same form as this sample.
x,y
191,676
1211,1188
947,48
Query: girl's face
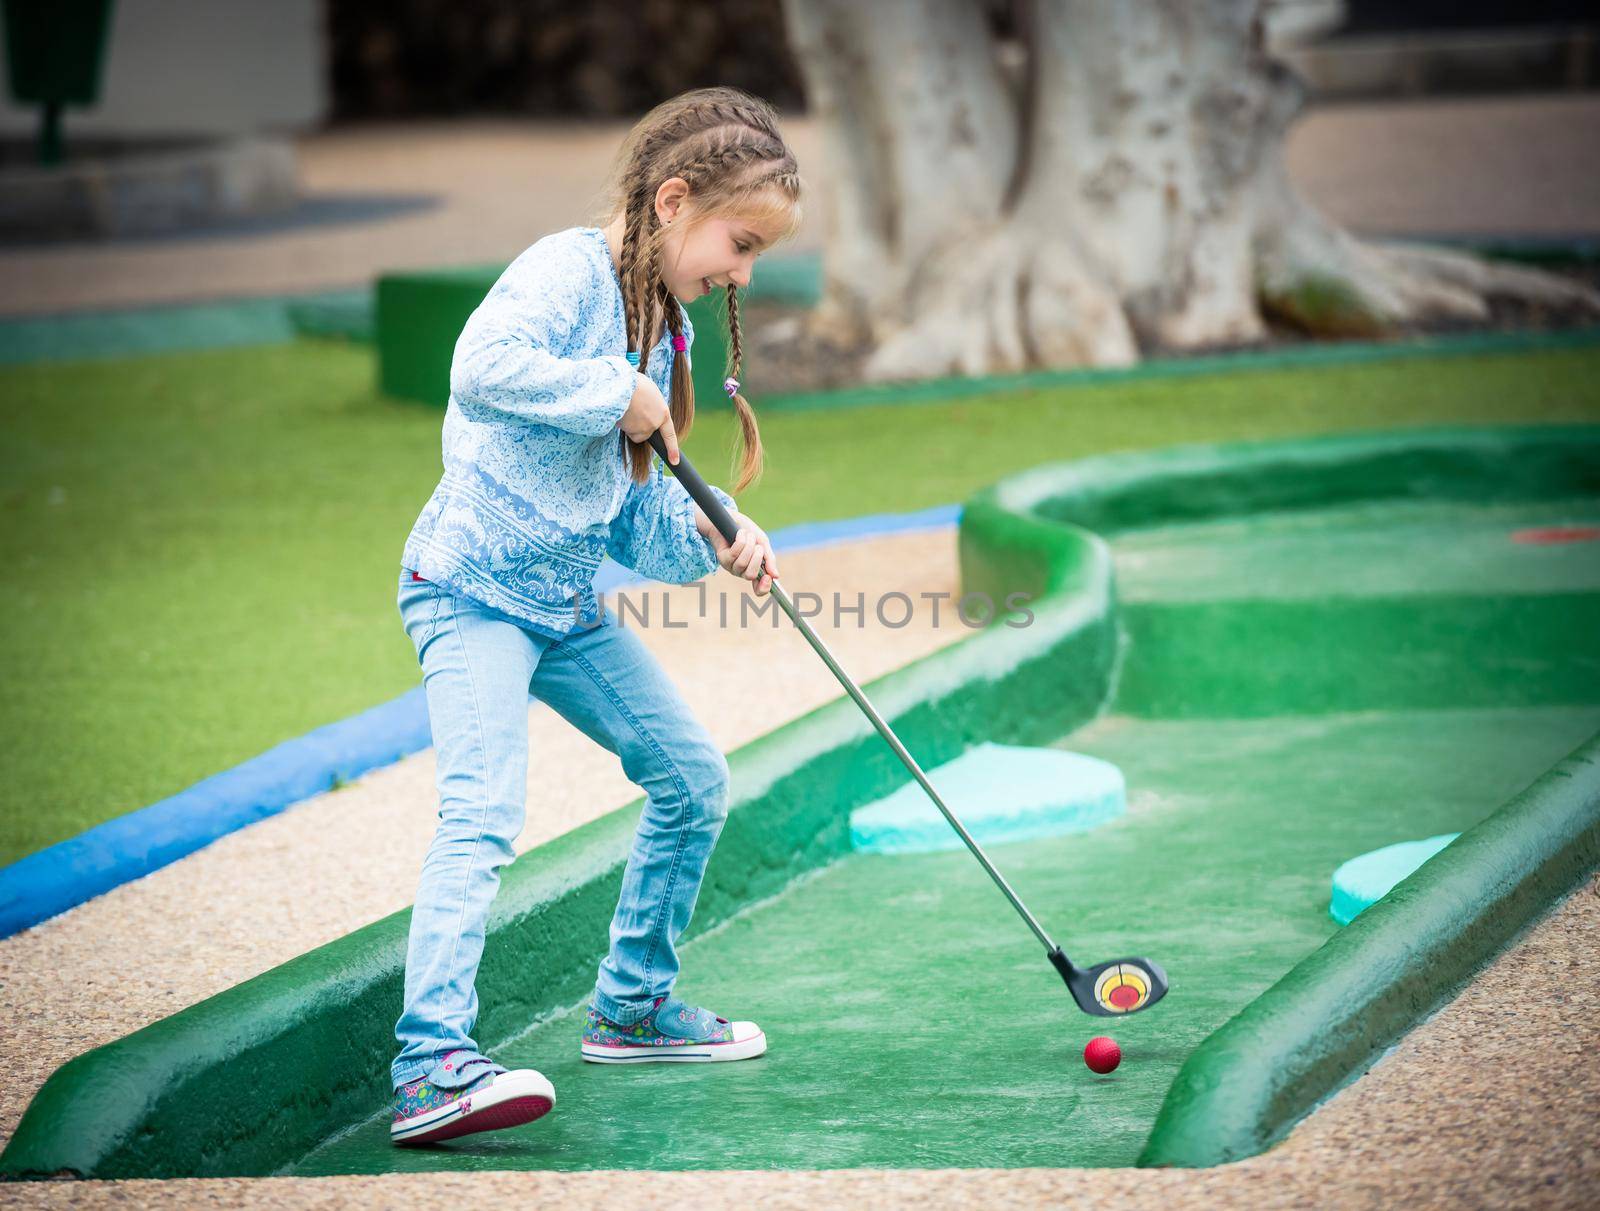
x,y
713,253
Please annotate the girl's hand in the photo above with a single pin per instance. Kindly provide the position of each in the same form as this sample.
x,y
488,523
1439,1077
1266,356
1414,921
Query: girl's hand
x,y
750,555
647,412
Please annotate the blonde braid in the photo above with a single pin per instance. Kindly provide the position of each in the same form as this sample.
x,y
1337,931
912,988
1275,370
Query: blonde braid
x,y
749,431
718,141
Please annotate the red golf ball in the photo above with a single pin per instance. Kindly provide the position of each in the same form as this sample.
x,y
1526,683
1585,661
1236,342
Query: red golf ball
x,y
1102,1055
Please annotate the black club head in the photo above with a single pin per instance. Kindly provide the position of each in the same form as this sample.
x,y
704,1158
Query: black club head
x,y
1113,989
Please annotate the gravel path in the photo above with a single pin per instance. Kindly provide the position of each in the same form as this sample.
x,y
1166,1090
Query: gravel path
x,y
490,188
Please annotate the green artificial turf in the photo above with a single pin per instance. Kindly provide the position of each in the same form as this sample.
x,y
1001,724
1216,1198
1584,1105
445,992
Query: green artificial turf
x,y
938,1036
202,547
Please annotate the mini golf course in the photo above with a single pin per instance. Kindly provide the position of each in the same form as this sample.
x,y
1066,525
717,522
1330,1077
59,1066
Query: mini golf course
x,y
1294,652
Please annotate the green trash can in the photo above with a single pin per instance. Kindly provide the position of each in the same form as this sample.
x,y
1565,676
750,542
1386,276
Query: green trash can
x,y
54,53
420,315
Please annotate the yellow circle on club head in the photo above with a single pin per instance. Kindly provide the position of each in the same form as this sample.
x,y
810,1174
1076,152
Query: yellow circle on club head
x,y
1122,988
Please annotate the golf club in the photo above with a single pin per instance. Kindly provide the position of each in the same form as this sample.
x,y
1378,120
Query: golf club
x,y
1111,989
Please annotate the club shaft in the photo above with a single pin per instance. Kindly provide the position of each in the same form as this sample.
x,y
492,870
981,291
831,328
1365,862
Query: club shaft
x,y
909,761
718,515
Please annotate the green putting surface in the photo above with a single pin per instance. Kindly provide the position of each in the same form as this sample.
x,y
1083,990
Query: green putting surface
x,y
1366,548
914,1022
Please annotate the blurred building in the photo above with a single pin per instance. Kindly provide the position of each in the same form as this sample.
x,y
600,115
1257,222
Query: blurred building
x,y
245,66
210,67
1388,48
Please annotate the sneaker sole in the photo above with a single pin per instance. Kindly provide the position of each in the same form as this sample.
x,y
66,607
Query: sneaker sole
x,y
744,1049
503,1104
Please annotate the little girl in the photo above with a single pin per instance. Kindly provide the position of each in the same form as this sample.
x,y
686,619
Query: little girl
x,y
559,379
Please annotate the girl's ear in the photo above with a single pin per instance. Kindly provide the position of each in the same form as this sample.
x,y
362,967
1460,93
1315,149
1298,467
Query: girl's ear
x,y
669,198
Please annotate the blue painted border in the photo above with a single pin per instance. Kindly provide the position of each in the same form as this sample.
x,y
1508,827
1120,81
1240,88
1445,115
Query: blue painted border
x,y
66,874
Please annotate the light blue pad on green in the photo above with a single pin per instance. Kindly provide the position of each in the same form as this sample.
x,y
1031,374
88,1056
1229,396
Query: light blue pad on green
x,y
999,792
1361,882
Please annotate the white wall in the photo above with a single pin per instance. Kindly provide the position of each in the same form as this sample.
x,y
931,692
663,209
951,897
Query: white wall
x,y
203,66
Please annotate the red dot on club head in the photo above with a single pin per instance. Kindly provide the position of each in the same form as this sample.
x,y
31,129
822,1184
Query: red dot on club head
x,y
1123,996
1549,534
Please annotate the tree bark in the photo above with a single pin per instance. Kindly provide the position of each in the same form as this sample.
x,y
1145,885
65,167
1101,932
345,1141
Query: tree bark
x,y
1131,194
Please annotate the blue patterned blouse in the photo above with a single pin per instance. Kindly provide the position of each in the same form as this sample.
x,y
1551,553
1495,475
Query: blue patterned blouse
x,y
535,491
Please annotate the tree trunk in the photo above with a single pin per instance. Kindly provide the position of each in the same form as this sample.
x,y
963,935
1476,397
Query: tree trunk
x,y
1129,193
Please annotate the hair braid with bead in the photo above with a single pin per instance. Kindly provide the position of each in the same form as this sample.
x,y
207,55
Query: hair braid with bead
x,y
724,144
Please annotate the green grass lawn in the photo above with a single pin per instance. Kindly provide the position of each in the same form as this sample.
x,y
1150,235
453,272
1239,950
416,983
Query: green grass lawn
x,y
203,546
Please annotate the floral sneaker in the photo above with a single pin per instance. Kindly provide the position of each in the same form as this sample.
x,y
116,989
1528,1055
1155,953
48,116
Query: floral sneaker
x,y
671,1030
467,1092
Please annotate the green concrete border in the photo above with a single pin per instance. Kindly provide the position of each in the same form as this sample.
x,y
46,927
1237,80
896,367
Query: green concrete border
x,y
165,1101
1329,1018
1294,357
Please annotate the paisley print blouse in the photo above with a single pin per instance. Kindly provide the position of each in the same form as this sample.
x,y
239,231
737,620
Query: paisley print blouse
x,y
535,491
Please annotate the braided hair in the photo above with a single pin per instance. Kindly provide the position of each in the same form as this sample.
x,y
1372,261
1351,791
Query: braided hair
x,y
724,144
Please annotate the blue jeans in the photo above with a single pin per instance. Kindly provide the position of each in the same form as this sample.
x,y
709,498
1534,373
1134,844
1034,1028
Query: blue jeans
x,y
479,668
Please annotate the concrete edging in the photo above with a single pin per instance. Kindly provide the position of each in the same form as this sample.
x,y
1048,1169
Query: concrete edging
x,y
51,880
1330,1016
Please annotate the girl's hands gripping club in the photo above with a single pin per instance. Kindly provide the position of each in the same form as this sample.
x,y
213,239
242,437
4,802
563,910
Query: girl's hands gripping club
x,y
743,547
750,555
648,415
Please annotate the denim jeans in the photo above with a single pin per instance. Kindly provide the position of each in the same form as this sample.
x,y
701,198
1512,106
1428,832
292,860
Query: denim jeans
x,y
479,668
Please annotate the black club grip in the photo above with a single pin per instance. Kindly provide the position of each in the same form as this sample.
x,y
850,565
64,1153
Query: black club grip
x,y
698,489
